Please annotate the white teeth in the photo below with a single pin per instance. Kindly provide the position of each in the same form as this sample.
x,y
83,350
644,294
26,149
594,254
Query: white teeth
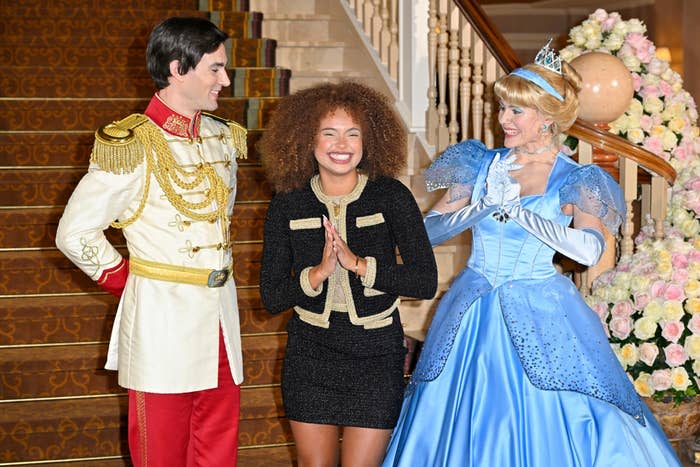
x,y
339,157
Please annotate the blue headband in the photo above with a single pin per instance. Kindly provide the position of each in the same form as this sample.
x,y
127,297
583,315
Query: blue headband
x,y
538,80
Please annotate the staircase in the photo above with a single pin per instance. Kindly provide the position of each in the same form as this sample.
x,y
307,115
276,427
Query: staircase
x,y
68,68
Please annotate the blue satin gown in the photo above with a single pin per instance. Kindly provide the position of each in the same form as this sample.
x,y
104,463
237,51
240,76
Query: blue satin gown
x,y
516,369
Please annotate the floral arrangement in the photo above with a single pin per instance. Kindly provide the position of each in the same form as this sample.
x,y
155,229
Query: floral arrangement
x,y
650,308
661,117
649,304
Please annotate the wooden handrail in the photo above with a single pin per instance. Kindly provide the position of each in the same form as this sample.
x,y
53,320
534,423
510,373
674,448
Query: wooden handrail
x,y
507,58
607,141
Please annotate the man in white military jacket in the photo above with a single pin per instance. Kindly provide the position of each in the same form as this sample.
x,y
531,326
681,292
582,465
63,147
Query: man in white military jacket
x,y
168,179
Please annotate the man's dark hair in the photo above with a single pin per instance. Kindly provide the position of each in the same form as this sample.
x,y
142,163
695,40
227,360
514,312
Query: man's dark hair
x,y
180,38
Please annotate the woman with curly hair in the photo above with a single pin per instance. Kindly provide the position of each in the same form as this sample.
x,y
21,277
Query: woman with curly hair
x,y
332,233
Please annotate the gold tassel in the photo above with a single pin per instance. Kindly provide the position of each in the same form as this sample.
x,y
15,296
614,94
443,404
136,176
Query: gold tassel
x,y
239,134
117,149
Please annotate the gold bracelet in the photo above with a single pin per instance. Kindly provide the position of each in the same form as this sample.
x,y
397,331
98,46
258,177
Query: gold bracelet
x,y
357,262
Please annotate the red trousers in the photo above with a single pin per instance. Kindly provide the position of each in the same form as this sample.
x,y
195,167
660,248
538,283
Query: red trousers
x,y
193,429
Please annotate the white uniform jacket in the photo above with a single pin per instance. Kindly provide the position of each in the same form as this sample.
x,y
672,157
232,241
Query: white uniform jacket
x,y
165,335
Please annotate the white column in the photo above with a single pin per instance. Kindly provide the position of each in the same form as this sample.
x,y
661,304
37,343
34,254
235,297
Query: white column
x,y
413,64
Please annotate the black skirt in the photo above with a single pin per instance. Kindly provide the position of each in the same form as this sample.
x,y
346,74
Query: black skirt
x,y
344,375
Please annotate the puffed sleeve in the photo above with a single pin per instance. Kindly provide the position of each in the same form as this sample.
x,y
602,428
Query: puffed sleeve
x,y
456,169
595,192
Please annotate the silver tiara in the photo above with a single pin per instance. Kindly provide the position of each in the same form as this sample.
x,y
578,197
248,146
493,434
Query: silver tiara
x,y
548,58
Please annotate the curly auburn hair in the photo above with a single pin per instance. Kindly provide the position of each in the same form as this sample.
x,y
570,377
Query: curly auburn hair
x,y
287,145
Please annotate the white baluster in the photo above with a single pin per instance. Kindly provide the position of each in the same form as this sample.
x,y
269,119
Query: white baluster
x,y
394,41
465,72
385,34
477,86
453,73
629,183
489,121
442,133
431,116
376,24
659,204
367,13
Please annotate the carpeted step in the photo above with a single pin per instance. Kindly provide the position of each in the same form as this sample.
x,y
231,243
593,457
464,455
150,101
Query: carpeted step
x,y
36,228
94,5
80,318
49,272
40,320
71,148
241,52
64,429
75,81
106,26
53,186
78,370
88,114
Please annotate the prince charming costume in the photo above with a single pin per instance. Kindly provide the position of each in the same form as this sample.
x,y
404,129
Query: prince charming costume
x,y
170,182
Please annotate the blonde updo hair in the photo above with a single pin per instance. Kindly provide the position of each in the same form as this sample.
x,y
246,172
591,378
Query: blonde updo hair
x,y
515,90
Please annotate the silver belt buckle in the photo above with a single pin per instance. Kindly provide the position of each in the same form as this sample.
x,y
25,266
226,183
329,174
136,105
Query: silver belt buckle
x,y
218,277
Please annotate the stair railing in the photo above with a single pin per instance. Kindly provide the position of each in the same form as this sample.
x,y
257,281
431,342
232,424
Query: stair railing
x,y
466,55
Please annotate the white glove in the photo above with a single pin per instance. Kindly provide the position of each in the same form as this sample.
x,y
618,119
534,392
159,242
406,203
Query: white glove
x,y
584,246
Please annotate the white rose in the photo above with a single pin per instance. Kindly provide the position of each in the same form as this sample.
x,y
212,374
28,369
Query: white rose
x,y
653,105
680,379
692,346
635,25
632,63
629,355
645,328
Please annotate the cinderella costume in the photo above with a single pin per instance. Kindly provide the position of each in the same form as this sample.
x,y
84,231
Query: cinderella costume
x,y
516,369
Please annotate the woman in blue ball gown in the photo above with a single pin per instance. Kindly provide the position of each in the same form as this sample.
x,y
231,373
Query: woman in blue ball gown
x,y
516,369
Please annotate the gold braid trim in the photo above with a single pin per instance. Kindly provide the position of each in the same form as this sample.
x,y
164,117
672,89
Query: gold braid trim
x,y
239,135
116,149
169,175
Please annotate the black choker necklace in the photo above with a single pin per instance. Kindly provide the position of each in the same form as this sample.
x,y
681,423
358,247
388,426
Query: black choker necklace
x,y
543,149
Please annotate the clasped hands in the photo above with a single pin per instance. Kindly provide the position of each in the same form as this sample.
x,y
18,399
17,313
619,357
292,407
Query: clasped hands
x,y
335,250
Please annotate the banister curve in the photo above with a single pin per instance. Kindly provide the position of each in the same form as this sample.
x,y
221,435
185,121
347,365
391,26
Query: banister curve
x,y
508,60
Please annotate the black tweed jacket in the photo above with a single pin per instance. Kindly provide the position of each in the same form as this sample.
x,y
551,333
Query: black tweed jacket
x,y
381,217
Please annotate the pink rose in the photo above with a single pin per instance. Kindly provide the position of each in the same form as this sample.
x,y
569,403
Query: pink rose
x,y
646,122
694,324
674,292
675,355
661,379
621,327
657,289
680,276
648,353
650,90
601,309
637,82
672,330
653,144
635,39
622,309
641,299
665,89
694,256
693,184
679,260
599,15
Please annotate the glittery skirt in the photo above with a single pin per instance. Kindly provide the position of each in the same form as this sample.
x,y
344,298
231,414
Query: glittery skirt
x,y
348,376
482,410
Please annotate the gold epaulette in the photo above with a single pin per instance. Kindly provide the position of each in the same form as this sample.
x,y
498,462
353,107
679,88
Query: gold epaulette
x,y
238,135
117,149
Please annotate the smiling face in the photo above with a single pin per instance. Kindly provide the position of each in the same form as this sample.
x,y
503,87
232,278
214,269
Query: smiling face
x,y
338,149
199,88
522,127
